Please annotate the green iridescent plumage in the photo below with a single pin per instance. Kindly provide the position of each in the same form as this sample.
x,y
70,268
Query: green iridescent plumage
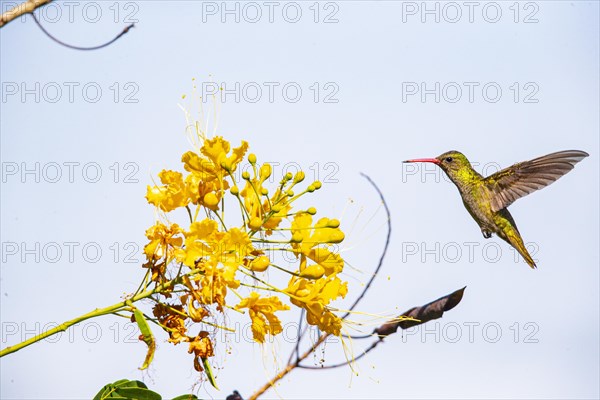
x,y
487,198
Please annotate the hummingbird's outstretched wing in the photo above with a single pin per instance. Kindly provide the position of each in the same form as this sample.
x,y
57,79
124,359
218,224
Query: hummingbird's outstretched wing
x,y
526,177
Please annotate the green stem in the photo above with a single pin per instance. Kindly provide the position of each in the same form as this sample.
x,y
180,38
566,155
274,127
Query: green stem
x,y
220,219
63,327
93,314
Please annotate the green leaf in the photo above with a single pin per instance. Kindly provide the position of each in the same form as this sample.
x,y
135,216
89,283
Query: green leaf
x,y
138,394
209,373
121,382
125,383
186,397
125,389
147,336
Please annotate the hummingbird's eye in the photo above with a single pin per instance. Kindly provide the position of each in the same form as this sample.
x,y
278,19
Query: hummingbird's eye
x,y
449,159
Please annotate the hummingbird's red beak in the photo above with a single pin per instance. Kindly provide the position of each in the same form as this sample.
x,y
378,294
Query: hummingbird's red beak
x,y
431,160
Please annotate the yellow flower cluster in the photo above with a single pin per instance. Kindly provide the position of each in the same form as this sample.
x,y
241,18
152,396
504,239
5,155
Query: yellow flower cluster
x,y
208,259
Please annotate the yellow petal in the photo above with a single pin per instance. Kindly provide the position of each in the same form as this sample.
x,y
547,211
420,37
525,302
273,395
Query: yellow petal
x,y
313,272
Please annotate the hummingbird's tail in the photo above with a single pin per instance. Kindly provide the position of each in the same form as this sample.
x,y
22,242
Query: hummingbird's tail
x,y
514,239
508,231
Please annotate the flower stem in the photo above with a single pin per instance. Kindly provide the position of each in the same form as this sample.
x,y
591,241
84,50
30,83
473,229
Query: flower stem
x,y
63,327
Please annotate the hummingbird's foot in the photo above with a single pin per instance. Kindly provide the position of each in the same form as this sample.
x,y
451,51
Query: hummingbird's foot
x,y
486,234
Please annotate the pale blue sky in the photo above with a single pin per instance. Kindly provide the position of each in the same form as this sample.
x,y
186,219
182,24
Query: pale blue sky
x,y
365,65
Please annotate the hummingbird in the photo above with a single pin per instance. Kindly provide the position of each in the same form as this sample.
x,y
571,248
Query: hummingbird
x,y
487,199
